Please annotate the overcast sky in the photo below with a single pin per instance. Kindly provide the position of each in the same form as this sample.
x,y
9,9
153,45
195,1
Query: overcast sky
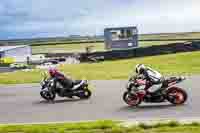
x,y
50,18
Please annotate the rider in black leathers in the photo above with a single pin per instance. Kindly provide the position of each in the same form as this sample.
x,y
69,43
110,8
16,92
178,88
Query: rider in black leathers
x,y
66,82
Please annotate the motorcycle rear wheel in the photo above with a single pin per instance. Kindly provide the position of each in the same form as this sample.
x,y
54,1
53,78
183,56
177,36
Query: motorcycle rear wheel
x,y
86,94
131,99
177,96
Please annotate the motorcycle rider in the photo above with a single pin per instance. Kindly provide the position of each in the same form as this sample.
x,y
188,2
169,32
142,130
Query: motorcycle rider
x,y
150,75
66,82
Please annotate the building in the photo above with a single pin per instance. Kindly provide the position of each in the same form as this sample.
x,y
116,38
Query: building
x,y
121,37
19,53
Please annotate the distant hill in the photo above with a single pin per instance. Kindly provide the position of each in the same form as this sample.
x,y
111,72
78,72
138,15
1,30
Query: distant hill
x,y
79,39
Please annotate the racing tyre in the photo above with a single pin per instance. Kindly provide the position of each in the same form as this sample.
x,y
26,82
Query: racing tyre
x,y
131,99
177,96
47,96
86,94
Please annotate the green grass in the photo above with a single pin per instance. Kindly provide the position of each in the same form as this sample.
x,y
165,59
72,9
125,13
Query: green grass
x,y
158,36
165,36
105,126
173,64
62,48
154,43
80,47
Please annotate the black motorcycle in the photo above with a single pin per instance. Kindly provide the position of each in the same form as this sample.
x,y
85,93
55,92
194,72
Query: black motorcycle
x,y
50,88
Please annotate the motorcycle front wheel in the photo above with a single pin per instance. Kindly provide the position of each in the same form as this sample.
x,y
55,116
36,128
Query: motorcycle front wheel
x,y
47,96
131,99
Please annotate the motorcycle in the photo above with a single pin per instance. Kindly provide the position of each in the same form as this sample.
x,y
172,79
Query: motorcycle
x,y
49,89
137,92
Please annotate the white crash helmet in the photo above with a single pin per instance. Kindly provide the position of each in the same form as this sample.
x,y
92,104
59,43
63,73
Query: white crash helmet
x,y
139,68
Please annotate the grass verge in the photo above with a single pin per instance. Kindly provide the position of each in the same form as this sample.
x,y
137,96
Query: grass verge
x,y
62,48
173,64
104,126
80,47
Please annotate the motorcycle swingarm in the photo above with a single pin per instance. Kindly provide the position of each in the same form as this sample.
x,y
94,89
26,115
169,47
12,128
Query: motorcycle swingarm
x,y
73,93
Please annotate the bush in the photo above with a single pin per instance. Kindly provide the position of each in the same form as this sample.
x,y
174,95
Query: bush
x,y
173,124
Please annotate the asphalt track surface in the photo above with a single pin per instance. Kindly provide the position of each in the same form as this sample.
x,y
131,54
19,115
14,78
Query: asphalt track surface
x,y
23,104
5,69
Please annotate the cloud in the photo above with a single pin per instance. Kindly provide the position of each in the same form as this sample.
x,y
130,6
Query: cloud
x,y
42,18
22,16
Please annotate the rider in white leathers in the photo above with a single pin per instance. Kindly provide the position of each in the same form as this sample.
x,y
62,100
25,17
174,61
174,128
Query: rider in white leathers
x,y
150,75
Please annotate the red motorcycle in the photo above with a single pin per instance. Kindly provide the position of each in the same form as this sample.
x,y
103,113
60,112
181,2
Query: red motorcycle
x,y
137,92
